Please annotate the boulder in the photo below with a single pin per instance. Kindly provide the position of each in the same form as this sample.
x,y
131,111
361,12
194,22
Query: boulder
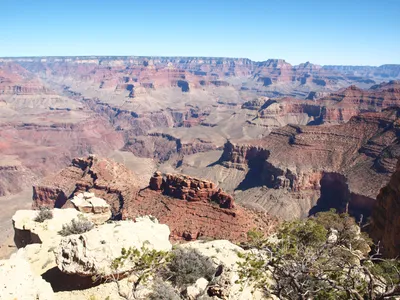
x,y
90,204
93,252
17,281
27,231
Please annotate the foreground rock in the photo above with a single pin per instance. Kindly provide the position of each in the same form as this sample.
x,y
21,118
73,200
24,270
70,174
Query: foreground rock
x,y
28,231
17,281
96,208
93,252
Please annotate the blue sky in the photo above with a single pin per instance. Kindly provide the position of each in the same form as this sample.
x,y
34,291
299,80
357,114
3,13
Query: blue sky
x,y
351,32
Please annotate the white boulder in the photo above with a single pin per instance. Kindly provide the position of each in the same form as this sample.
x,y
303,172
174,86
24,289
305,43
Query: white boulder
x,y
93,252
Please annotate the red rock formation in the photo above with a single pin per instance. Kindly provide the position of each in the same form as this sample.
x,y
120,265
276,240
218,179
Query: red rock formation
x,y
385,219
107,179
186,219
190,189
197,220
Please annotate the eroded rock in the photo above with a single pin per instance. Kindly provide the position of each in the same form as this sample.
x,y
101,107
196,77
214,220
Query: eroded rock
x,y
191,189
93,252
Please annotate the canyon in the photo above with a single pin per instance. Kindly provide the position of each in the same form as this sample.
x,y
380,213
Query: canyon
x,y
277,140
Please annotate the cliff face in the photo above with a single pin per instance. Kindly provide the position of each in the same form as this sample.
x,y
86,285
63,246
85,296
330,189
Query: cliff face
x,y
385,224
341,166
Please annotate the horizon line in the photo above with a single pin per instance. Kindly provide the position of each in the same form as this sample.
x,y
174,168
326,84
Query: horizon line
x,y
179,56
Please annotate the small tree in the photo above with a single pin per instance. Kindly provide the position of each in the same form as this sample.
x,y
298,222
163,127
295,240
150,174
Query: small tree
x,y
146,262
325,257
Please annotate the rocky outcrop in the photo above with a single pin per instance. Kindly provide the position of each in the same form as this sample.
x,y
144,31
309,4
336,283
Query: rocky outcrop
x,y
93,252
199,219
18,281
28,231
190,189
385,225
107,179
96,208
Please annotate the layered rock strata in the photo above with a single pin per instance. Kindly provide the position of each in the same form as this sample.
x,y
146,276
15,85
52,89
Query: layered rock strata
x,y
190,189
341,166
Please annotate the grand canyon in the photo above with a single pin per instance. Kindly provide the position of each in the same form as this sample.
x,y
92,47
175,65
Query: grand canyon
x,y
212,147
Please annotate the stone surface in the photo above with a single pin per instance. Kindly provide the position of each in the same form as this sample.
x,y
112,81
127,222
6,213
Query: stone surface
x,y
17,281
197,289
93,252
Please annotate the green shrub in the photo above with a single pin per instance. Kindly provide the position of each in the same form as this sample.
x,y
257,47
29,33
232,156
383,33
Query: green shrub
x,y
76,226
145,262
305,263
44,214
163,291
188,265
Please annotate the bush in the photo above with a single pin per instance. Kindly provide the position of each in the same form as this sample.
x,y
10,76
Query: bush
x,y
188,265
305,263
44,214
76,226
163,291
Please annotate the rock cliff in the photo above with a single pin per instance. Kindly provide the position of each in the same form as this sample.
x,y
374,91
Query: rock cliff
x,y
317,167
385,226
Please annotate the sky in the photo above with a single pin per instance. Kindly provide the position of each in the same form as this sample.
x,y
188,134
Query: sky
x,y
351,32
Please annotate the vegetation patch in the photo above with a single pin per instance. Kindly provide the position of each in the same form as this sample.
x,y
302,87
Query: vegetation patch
x,y
77,226
324,257
44,214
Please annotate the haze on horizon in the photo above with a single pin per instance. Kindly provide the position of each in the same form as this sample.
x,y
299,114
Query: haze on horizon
x,y
323,32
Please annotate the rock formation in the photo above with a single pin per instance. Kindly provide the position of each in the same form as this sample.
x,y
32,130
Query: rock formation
x,y
93,252
212,215
190,189
66,264
107,179
298,167
385,226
